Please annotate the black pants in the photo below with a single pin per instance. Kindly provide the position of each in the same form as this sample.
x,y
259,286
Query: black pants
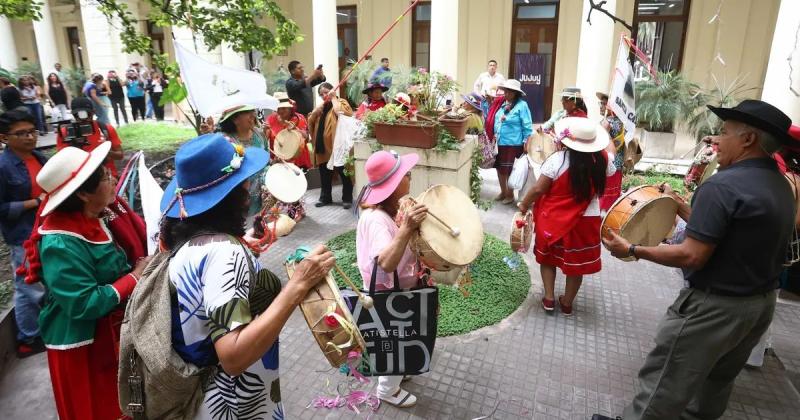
x,y
326,176
157,109
119,105
138,107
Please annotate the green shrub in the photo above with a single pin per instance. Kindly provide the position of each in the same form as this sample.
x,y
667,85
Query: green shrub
x,y
154,137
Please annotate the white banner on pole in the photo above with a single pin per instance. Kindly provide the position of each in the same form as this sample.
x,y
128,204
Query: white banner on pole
x,y
151,194
621,98
214,88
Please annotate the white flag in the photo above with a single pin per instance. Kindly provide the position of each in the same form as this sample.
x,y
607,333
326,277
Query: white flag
x,y
151,204
214,88
621,98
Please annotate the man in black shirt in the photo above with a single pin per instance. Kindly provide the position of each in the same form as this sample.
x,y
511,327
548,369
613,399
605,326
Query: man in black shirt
x,y
736,239
298,87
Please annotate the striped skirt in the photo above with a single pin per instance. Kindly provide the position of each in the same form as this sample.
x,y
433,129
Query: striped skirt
x,y
506,155
577,253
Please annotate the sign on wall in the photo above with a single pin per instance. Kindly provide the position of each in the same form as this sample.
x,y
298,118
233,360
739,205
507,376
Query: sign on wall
x,y
529,70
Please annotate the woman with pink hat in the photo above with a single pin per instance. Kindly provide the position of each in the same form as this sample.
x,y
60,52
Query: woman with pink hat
x,y
379,240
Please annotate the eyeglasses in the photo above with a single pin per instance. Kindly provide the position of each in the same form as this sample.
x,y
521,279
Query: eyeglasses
x,y
29,133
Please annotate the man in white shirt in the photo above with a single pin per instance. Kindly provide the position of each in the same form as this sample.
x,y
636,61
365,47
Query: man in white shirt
x,y
488,81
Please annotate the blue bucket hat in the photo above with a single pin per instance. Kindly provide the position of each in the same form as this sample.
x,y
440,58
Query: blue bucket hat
x,y
473,99
207,169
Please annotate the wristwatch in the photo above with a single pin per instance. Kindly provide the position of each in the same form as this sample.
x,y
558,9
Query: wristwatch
x,y
632,251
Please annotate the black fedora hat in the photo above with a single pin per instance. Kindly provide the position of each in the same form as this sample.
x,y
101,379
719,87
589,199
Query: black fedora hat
x,y
758,114
375,85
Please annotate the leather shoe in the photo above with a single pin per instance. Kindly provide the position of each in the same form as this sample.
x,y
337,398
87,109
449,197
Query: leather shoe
x,y
347,205
322,203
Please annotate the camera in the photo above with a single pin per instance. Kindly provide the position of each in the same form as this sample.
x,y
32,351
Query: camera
x,y
76,133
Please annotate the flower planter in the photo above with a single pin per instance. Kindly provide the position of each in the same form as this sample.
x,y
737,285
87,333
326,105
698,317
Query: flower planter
x,y
456,127
419,134
658,145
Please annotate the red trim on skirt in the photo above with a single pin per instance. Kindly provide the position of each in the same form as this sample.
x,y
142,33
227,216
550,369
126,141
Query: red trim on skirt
x,y
577,253
613,190
85,378
506,155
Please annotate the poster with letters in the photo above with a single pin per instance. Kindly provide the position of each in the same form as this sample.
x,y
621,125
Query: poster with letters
x,y
529,70
621,98
399,330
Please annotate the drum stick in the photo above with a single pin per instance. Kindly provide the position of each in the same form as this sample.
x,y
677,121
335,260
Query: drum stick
x,y
366,301
296,172
454,232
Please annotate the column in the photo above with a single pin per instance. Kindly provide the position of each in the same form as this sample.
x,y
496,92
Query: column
x,y
46,39
444,36
103,44
8,50
596,52
325,40
784,57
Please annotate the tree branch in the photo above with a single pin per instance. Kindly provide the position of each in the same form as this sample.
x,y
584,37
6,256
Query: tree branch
x,y
599,7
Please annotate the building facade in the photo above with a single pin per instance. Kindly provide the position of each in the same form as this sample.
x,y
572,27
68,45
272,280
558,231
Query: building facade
x,y
711,41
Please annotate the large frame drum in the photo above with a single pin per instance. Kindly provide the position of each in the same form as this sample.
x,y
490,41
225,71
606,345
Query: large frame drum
x,y
642,215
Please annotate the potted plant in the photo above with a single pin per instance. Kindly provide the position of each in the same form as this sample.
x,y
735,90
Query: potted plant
x,y
660,106
431,91
389,126
703,122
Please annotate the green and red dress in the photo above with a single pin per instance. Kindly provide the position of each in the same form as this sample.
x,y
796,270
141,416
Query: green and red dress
x,y
86,274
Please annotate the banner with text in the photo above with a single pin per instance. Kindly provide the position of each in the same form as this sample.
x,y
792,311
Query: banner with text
x,y
621,97
530,71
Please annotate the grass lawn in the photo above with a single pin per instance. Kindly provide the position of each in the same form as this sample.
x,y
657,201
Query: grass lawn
x,y
153,137
497,289
655,179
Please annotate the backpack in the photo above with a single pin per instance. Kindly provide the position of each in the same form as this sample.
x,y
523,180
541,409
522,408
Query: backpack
x,y
154,382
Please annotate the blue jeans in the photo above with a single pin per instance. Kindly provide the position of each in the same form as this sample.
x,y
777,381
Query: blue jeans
x,y
149,113
38,115
101,113
27,299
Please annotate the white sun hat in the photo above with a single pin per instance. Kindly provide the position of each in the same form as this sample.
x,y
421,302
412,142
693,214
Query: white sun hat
x,y
581,134
512,84
67,170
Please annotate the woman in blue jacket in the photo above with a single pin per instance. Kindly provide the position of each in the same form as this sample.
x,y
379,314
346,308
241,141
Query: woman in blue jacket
x,y
513,126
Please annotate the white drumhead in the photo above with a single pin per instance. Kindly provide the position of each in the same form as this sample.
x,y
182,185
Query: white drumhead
x,y
454,207
540,147
651,222
286,182
287,144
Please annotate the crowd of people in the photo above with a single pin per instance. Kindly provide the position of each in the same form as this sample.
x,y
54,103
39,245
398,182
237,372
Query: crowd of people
x,y
79,251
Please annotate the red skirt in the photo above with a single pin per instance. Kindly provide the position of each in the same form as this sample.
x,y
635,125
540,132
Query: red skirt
x,y
85,378
577,253
506,155
613,190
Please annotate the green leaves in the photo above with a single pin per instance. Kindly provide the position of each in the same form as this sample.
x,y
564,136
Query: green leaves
x,y
663,104
21,9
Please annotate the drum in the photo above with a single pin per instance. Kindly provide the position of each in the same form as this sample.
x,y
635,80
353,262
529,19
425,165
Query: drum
x,y
437,246
521,231
331,323
286,182
703,166
632,155
540,147
642,215
287,144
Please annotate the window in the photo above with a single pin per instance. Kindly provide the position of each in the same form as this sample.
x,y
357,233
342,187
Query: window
x,y
347,34
421,36
659,28
75,49
156,34
534,30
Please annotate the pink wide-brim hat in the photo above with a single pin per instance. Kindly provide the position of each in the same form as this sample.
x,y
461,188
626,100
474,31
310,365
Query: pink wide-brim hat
x,y
385,170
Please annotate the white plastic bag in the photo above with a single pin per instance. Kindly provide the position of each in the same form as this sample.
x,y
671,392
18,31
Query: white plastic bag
x,y
519,173
347,129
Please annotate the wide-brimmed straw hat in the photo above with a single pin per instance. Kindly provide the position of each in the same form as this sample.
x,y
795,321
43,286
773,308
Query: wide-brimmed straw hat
x,y
512,84
374,85
283,100
571,93
384,171
67,170
581,134
402,98
761,115
230,112
207,169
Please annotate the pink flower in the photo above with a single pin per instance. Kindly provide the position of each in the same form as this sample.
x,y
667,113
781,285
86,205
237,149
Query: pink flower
x,y
422,70
331,321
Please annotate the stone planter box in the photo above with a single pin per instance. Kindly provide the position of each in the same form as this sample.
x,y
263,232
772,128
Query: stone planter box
x,y
416,134
8,335
658,145
451,167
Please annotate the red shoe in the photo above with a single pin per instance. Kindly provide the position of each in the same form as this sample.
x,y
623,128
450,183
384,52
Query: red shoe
x,y
549,305
565,309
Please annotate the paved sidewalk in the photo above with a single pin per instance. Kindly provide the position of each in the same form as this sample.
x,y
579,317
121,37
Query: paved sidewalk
x,y
531,365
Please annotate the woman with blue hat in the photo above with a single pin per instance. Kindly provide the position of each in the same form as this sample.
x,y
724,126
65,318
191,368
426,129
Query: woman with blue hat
x,y
228,309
